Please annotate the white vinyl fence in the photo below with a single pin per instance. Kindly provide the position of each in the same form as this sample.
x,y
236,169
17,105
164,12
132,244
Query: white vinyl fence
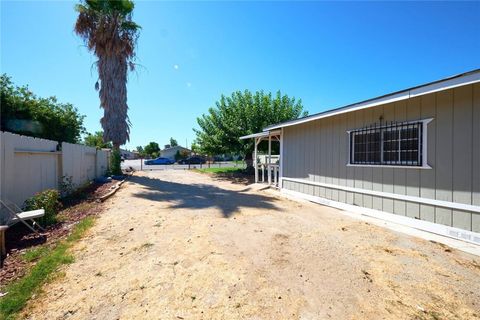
x,y
29,165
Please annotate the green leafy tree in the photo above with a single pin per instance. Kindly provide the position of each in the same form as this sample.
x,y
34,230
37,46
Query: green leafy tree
x,y
179,155
194,147
107,29
96,140
152,149
22,112
140,151
241,114
173,142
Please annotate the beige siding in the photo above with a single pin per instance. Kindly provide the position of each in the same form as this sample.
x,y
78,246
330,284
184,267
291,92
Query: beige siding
x,y
412,177
462,151
350,170
389,115
427,177
476,156
399,175
319,150
377,173
444,155
342,156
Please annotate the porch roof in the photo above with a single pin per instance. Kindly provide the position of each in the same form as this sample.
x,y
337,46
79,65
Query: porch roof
x,y
263,134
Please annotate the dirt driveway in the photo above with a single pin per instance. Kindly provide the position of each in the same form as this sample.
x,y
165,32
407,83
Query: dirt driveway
x,y
181,245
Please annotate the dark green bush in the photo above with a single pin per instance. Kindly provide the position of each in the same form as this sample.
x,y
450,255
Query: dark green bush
x,y
115,162
47,200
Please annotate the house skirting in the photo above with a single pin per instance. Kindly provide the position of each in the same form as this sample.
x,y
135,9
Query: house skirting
x,y
452,232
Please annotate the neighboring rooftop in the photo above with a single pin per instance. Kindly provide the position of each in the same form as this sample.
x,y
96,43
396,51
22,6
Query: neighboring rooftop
x,y
168,147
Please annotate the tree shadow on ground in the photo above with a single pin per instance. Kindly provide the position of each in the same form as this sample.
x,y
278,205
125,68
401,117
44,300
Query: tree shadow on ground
x,y
236,178
201,196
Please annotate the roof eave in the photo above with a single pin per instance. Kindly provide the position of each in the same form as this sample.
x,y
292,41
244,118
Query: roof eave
x,y
262,134
431,87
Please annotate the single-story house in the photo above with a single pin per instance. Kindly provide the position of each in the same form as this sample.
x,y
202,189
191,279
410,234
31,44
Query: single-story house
x,y
411,157
129,155
170,152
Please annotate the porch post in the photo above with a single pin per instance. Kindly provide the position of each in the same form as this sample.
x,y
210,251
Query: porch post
x,y
280,174
255,165
269,169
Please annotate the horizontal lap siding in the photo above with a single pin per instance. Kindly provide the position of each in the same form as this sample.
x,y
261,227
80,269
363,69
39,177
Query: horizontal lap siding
x,y
318,151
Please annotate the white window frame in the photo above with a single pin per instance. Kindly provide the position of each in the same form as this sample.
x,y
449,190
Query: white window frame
x,y
424,165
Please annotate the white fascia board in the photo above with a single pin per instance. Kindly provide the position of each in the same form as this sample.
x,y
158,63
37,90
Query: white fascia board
x,y
254,135
403,95
446,84
263,134
355,107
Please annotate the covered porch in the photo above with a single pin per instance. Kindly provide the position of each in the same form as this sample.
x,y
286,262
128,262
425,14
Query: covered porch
x,y
268,169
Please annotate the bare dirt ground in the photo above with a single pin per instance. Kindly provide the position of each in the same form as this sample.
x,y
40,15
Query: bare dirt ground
x,y
19,239
182,245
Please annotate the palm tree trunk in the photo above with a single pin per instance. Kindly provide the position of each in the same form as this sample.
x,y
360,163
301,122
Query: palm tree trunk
x,y
112,72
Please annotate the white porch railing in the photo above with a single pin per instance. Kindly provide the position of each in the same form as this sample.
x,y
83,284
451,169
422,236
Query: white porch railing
x,y
266,166
269,173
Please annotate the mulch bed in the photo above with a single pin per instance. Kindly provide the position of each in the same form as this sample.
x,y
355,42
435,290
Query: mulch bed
x,y
19,238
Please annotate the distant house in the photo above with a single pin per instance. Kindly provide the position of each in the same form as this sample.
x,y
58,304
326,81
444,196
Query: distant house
x,y
412,157
129,155
170,152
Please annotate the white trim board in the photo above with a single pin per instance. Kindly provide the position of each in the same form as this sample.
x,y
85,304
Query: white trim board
x,y
388,166
432,202
469,241
440,85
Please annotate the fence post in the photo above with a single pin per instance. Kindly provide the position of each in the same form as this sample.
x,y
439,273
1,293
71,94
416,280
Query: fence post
x,y
60,164
96,163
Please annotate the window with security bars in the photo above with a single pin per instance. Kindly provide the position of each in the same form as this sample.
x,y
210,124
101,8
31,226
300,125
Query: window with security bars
x,y
392,144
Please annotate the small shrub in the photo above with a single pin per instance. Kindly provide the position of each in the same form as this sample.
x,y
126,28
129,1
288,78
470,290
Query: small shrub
x,y
47,200
78,194
115,162
66,186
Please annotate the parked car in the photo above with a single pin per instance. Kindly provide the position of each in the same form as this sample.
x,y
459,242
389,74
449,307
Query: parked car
x,y
192,160
158,160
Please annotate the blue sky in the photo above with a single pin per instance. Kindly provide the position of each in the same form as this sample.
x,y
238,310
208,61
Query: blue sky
x,y
189,53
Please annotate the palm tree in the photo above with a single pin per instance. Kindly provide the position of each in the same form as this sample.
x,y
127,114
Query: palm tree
x,y
107,28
